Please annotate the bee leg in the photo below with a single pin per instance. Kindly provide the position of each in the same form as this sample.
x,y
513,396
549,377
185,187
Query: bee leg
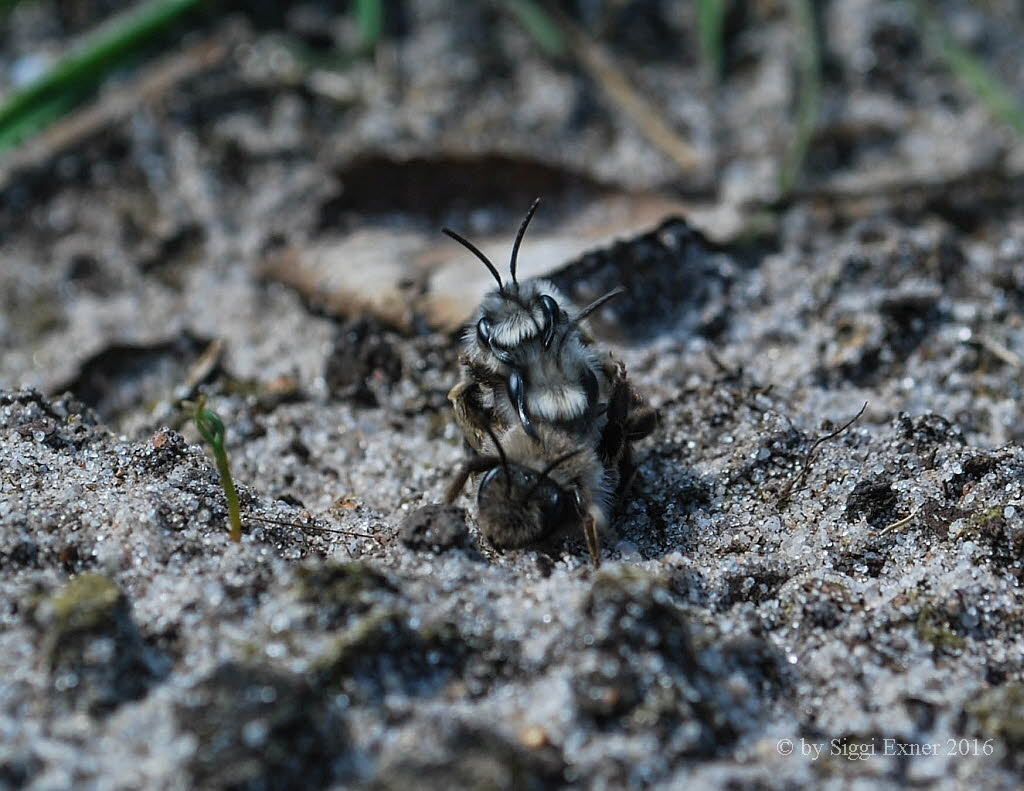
x,y
455,487
470,413
642,421
469,467
594,523
628,474
612,370
640,424
480,373
615,435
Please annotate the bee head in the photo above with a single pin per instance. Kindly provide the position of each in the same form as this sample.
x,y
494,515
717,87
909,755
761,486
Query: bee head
x,y
514,313
519,506
518,314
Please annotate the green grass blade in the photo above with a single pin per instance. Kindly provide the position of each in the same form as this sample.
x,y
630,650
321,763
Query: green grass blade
x,y
808,97
540,27
103,50
980,80
710,26
369,23
38,117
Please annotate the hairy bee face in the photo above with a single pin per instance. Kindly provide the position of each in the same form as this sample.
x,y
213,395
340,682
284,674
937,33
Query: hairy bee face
x,y
516,312
517,315
518,507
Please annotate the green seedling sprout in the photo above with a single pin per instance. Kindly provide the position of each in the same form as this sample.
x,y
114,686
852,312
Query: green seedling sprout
x,y
211,427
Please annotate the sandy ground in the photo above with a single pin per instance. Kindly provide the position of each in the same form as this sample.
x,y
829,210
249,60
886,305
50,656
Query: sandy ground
x,y
797,592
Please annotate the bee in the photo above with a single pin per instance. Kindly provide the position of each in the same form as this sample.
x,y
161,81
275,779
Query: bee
x,y
525,359
534,489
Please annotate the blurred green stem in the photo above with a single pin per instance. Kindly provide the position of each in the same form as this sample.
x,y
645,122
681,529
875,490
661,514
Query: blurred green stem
x,y
970,70
37,117
539,25
710,24
234,512
808,96
369,22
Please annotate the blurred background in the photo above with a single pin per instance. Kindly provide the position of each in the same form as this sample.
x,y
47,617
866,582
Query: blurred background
x,y
816,208
178,171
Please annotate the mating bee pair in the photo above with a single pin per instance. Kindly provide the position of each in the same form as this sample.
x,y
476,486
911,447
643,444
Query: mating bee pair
x,y
549,418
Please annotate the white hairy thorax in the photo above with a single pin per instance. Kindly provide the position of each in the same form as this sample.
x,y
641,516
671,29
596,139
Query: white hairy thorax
x,y
555,389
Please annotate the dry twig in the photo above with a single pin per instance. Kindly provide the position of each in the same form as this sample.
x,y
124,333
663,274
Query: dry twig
x,y
599,64
300,526
898,524
1000,352
809,457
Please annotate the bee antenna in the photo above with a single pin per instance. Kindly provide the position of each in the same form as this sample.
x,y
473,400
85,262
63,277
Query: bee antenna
x,y
547,470
519,239
598,303
504,459
475,251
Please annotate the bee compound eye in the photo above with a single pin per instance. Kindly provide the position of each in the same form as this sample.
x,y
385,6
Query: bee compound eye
x,y
551,503
487,480
483,331
550,310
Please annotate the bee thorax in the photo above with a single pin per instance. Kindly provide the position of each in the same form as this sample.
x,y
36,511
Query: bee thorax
x,y
559,403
